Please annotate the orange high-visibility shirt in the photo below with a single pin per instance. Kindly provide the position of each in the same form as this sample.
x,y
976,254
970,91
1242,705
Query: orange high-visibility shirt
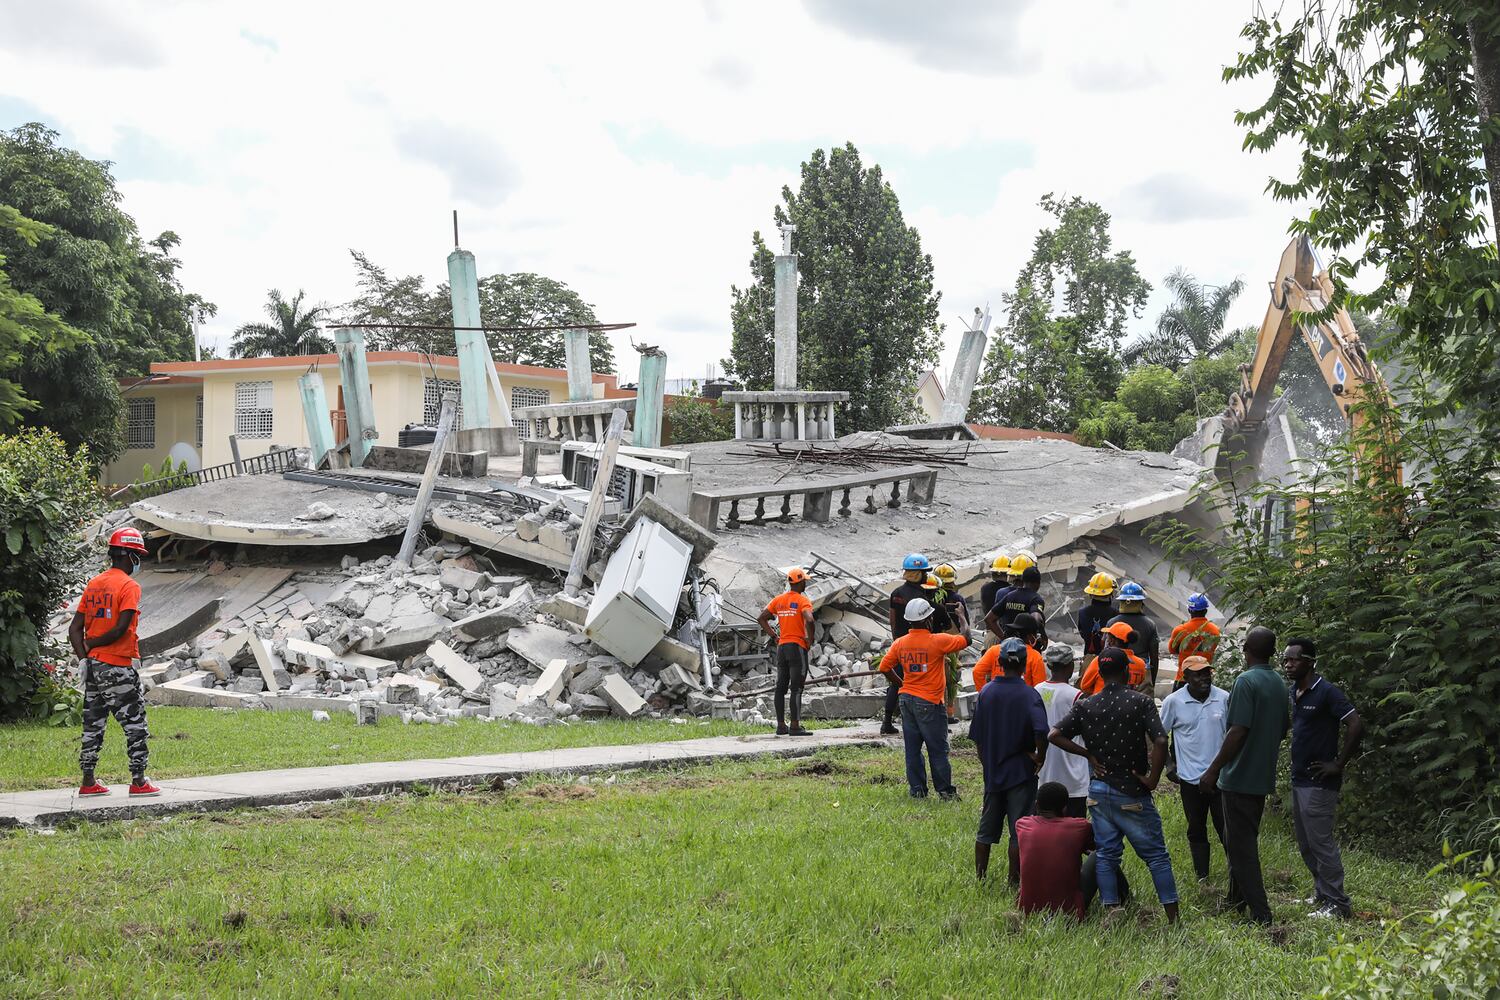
x,y
1194,637
920,654
105,597
989,666
1092,683
790,625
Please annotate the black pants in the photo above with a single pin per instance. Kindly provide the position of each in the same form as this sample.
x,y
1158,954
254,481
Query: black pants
x,y
894,680
791,673
1247,888
1199,809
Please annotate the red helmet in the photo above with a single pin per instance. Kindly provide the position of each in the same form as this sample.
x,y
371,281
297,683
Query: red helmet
x,y
128,538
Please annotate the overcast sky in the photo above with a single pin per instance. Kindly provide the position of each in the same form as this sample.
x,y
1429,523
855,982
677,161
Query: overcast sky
x,y
630,150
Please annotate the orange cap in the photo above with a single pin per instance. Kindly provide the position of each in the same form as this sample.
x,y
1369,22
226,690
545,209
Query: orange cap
x,y
1193,662
796,575
1121,631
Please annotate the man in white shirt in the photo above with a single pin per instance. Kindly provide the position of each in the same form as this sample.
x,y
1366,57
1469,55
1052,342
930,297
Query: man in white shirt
x,y
1194,717
1058,695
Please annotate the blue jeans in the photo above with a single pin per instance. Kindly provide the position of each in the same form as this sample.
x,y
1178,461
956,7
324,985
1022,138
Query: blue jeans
x,y
922,722
1118,817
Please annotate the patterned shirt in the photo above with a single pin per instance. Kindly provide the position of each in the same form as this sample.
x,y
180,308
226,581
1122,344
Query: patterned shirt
x,y
1117,723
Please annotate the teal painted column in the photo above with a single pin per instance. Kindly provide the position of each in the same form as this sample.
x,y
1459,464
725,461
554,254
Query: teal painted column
x,y
652,385
315,412
473,349
359,409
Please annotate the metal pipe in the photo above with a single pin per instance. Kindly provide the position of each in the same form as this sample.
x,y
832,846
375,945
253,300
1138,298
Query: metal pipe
x,y
429,479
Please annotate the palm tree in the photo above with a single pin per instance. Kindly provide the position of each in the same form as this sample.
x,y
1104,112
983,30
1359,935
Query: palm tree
x,y
1192,326
292,331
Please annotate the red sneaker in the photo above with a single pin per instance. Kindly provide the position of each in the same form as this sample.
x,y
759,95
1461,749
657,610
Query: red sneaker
x,y
143,790
94,789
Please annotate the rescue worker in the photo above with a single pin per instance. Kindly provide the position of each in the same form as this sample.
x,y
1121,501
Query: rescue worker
x,y
919,654
1117,635
1195,637
103,634
1024,599
1098,612
913,573
997,584
1147,641
1023,627
794,624
956,609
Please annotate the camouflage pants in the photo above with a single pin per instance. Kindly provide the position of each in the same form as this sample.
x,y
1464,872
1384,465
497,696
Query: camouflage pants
x,y
111,690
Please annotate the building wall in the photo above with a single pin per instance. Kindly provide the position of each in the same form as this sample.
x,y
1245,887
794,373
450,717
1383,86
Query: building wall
x,y
930,399
176,422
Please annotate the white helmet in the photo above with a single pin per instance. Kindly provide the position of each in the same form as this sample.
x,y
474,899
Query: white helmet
x,y
917,608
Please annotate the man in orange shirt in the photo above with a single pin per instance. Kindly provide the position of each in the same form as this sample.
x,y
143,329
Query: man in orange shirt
x,y
794,623
1195,637
1117,635
103,635
921,656
1026,628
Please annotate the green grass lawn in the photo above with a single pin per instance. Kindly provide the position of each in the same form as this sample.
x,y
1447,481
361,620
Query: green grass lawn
x,y
194,741
812,877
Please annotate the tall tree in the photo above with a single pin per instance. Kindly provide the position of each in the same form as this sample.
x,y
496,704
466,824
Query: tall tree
x,y
1057,357
1396,109
505,300
293,330
25,324
1191,327
867,311
95,272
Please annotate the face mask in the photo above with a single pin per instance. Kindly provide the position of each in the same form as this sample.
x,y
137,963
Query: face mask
x,y
135,564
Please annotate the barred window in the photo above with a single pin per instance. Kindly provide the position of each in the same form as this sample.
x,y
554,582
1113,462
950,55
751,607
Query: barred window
x,y
140,423
200,423
432,400
252,409
520,396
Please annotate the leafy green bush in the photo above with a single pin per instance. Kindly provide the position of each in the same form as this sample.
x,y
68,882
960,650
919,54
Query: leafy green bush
x,y
1453,951
1397,579
691,419
45,494
157,481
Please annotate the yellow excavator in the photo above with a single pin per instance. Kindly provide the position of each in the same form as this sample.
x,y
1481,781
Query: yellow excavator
x,y
1300,287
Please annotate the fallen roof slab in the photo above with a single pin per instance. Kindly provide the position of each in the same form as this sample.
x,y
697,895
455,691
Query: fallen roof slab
x,y
265,510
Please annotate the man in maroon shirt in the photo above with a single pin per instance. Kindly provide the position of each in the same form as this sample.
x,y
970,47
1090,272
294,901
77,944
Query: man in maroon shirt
x,y
1057,863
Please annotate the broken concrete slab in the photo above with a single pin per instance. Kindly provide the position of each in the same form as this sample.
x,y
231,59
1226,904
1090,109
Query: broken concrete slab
x,y
262,510
698,536
569,609
622,698
267,660
540,644
404,637
549,686
459,670
457,578
677,680
190,691
672,651
484,624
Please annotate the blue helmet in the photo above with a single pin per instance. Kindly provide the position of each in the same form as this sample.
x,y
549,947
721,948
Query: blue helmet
x,y
1198,602
916,561
1132,591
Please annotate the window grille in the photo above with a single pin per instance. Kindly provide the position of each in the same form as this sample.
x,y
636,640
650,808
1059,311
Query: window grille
x,y
432,400
253,414
526,396
200,423
140,422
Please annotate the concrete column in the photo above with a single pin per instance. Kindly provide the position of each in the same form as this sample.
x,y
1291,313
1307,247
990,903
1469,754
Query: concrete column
x,y
739,421
315,413
966,369
652,385
802,422
473,349
788,422
359,409
786,314
580,370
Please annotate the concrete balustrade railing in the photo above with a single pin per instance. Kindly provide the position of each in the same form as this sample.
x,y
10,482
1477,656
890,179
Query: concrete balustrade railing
x,y
815,498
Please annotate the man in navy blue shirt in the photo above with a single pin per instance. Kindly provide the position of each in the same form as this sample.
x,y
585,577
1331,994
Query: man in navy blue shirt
x,y
1010,731
1318,762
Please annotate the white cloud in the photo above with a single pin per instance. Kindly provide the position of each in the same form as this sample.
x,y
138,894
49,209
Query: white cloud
x,y
367,131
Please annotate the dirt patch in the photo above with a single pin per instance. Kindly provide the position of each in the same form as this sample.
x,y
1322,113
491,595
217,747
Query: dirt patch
x,y
1164,985
132,932
339,916
548,792
235,919
181,736
818,768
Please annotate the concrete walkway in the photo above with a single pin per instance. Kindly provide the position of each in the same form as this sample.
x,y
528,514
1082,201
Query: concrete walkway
x,y
48,807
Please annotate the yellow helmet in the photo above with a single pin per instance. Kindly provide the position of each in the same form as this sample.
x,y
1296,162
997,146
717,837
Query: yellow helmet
x,y
1100,585
1021,562
946,573
931,583
1001,564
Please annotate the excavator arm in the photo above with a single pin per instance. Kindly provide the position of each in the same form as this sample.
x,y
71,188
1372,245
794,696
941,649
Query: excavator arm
x,y
1299,288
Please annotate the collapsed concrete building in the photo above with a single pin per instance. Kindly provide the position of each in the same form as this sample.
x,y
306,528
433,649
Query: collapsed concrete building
x,y
586,571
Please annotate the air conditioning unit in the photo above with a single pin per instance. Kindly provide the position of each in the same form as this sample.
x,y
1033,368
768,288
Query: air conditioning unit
x,y
632,478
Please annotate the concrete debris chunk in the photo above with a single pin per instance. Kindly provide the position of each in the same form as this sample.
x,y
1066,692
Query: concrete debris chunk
x,y
458,669
404,637
502,705
320,716
622,698
216,664
540,644
457,578
588,704
676,680
516,611
549,686
267,661
317,511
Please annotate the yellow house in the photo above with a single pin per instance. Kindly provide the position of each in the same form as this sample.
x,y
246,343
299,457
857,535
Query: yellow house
x,y
930,397
188,409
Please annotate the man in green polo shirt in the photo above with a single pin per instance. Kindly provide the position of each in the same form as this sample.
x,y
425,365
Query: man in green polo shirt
x,y
1244,771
